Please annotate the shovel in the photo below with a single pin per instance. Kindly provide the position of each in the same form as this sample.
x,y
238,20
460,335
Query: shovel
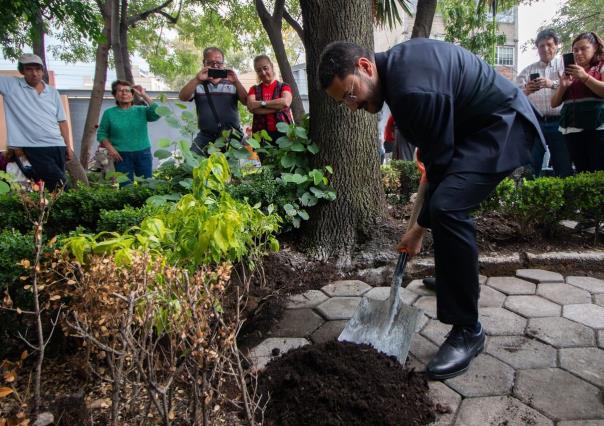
x,y
388,325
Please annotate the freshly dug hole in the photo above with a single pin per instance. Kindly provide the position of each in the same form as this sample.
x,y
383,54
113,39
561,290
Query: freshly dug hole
x,y
337,383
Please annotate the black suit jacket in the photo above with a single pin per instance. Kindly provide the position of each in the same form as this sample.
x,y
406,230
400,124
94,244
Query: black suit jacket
x,y
454,106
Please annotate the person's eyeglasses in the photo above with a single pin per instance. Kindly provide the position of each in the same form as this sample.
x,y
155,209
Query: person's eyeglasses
x,y
125,91
350,98
214,64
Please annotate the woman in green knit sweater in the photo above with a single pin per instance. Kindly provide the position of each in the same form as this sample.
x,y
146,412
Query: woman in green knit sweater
x,y
123,130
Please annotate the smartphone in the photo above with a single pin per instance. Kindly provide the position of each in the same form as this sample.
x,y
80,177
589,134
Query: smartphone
x,y
534,76
569,59
217,73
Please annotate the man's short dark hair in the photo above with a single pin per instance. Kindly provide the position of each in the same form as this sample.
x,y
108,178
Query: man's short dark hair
x,y
211,49
119,83
338,59
546,35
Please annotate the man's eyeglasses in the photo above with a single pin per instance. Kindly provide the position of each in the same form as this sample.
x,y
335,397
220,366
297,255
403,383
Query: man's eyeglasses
x,y
350,98
125,90
214,64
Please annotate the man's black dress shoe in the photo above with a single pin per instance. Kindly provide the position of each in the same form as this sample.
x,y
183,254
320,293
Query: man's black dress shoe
x,y
455,354
430,283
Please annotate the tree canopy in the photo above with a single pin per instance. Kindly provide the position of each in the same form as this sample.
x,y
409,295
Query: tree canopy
x,y
575,17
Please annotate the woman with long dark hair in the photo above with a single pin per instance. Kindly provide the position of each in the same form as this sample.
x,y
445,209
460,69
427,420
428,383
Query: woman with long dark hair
x,y
581,92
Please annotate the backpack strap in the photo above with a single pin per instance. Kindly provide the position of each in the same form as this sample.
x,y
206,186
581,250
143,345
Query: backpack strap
x,y
212,107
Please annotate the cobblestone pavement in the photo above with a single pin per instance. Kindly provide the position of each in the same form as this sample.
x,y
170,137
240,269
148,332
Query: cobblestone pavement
x,y
543,363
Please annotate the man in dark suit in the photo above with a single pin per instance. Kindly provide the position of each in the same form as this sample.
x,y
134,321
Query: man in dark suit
x,y
472,127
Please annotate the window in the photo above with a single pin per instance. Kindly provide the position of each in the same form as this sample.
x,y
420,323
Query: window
x,y
506,16
505,55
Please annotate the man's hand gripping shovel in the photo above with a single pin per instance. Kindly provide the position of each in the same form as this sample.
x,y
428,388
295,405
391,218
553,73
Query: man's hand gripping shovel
x,y
388,325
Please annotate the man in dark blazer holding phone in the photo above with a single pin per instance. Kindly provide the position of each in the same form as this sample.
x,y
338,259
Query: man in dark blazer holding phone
x,y
216,91
473,127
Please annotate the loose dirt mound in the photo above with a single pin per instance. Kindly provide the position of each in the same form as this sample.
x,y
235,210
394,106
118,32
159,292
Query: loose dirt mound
x,y
343,384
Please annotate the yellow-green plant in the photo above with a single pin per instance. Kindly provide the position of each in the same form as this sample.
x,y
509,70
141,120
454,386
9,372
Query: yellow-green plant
x,y
206,226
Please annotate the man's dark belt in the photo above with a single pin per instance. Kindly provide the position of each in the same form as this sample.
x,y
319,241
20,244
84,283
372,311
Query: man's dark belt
x,y
549,118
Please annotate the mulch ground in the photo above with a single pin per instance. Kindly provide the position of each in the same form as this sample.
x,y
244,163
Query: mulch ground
x,y
338,383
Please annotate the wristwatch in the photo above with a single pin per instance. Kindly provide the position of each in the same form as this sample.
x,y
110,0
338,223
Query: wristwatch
x,y
262,103
555,84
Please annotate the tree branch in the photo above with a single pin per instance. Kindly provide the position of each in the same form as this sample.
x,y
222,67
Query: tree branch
x,y
278,10
262,11
294,24
144,15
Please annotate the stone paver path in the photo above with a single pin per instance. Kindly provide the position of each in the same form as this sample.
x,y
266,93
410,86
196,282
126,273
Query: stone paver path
x,y
543,363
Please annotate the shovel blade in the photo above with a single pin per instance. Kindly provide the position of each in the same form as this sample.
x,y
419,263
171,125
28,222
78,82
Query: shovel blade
x,y
374,324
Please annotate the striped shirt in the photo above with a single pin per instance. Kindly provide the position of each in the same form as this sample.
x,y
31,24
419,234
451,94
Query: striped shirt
x,y
541,99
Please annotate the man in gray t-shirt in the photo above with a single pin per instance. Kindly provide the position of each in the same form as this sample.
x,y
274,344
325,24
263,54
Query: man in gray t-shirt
x,y
224,91
36,122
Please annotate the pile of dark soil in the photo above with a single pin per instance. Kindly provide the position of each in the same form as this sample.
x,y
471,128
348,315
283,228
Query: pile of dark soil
x,y
339,383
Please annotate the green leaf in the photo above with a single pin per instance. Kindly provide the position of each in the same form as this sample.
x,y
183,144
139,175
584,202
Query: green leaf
x,y
317,176
308,200
172,122
4,187
180,105
283,127
162,154
163,111
253,143
290,210
288,162
298,147
164,142
329,169
284,142
303,214
264,134
313,148
294,178
301,133
188,115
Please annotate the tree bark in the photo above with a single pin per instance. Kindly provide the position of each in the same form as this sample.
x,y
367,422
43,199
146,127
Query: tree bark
x,y
125,51
272,25
38,41
424,15
116,44
98,87
347,141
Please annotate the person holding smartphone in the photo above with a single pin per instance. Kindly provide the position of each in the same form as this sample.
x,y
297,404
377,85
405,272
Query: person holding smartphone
x,y
581,94
216,92
539,82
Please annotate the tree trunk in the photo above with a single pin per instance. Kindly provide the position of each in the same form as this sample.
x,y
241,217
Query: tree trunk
x,y
273,27
424,16
98,87
125,52
116,45
347,141
38,41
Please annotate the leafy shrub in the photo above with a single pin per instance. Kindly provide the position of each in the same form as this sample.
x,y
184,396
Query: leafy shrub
x,y
400,179
79,207
584,196
206,226
15,247
122,220
541,203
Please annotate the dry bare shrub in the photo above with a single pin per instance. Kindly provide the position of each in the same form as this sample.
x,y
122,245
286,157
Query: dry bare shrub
x,y
160,331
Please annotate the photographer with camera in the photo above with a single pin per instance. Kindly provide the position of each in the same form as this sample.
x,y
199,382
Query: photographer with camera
x,y
216,91
539,82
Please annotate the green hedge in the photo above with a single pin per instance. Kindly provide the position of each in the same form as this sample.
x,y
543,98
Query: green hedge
x,y
79,207
541,203
123,219
400,179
